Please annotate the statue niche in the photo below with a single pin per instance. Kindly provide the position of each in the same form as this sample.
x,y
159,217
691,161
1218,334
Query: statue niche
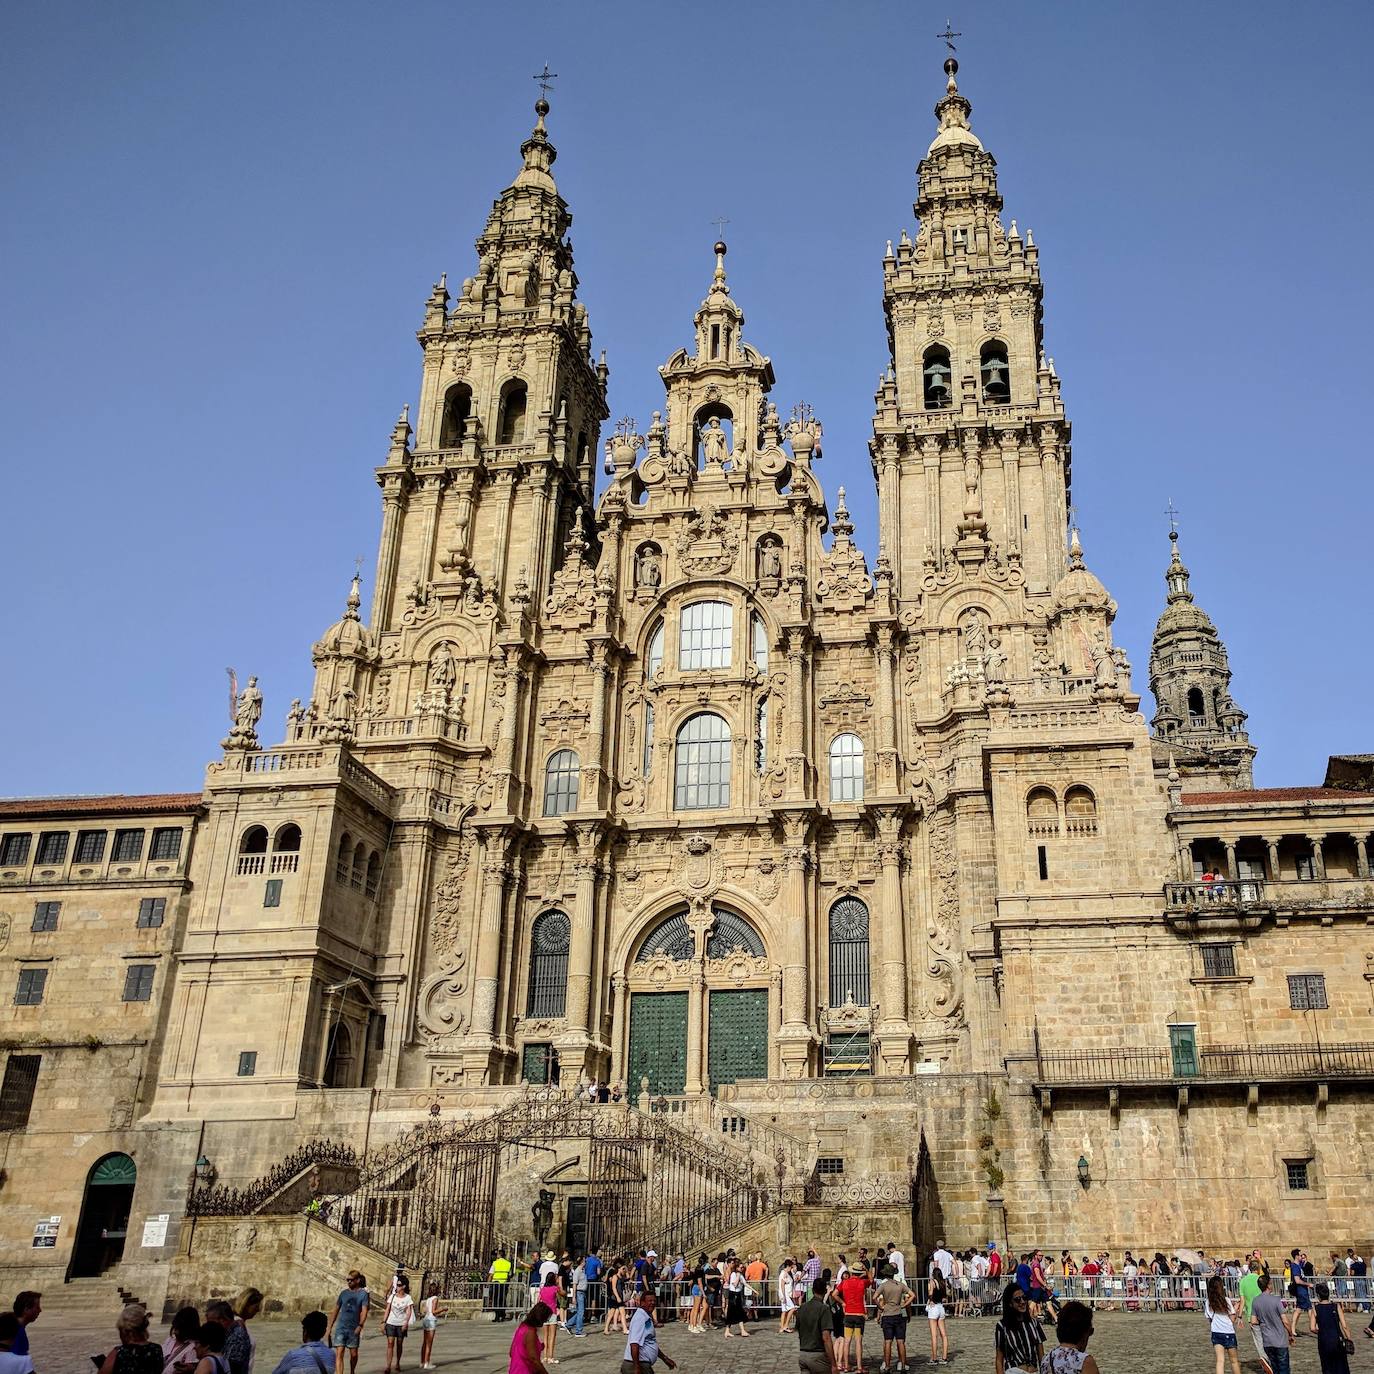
x,y
768,559
715,437
648,567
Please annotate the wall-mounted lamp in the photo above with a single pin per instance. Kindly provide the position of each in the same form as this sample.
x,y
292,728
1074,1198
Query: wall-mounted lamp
x,y
1084,1176
205,1172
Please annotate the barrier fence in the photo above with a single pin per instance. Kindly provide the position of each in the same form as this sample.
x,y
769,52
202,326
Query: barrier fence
x,y
971,1298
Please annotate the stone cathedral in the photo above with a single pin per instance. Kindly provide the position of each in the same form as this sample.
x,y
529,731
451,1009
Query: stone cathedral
x,y
858,878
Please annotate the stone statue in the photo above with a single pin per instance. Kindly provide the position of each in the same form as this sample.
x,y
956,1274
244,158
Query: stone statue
x,y
294,717
713,445
1123,666
542,1215
341,708
770,561
1104,664
249,709
649,573
442,670
975,631
995,666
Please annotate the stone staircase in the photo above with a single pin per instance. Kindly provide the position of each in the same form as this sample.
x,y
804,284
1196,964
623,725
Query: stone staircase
x,y
87,1301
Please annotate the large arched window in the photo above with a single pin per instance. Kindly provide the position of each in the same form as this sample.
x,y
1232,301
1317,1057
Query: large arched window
x,y
671,938
647,761
653,657
936,375
1197,708
288,839
702,774
1080,811
846,768
705,635
561,775
758,637
731,932
1042,812
254,840
514,400
994,371
457,410
550,939
849,953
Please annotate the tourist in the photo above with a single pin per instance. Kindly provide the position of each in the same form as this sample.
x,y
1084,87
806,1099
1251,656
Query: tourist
x,y
942,1260
1333,1336
1039,1290
815,1343
617,1093
312,1355
756,1275
1300,1289
713,1282
787,1295
1018,1340
526,1349
894,1305
811,1269
596,1278
135,1353
1249,1288
10,1363
179,1349
346,1322
897,1260
615,1300
239,1343
28,1306
431,1309
1159,1267
734,1297
1221,1313
1266,1315
641,1344
400,1312
835,1302
1359,1274
579,1281
210,1345
956,1282
936,1297
1073,1330
548,1295
853,1289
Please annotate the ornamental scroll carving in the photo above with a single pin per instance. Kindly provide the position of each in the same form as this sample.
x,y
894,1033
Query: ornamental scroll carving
x,y
448,900
439,1011
707,544
738,967
944,992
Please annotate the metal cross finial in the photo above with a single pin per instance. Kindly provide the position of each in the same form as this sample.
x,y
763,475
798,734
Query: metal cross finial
x,y
720,222
949,35
358,566
546,78
1173,513
1073,517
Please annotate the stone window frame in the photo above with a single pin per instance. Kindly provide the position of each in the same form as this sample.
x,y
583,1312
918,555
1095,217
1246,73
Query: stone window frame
x,y
138,982
152,911
90,846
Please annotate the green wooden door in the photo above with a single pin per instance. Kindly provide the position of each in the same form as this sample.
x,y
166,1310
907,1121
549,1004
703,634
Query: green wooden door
x,y
658,1042
738,1043
1183,1050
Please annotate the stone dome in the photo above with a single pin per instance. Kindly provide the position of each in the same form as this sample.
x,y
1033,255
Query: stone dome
x,y
1079,589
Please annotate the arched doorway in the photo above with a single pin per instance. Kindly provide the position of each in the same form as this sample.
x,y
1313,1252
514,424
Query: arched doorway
x,y
105,1208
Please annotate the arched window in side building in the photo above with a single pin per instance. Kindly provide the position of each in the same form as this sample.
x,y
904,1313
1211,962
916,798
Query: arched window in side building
x,y
702,772
846,768
561,776
550,940
254,840
287,840
457,410
1042,812
849,981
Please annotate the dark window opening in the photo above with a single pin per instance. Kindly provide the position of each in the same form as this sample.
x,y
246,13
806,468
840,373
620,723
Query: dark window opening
x,y
995,373
29,990
166,842
17,1090
936,376
550,941
1296,1172
151,911
1219,961
830,1166
128,846
511,430
271,895
45,915
1307,991
248,1063
1044,862
14,850
90,847
138,982
457,410
52,847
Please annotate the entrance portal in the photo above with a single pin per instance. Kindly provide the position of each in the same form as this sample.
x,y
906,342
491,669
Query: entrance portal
x,y
104,1224
738,1045
658,1042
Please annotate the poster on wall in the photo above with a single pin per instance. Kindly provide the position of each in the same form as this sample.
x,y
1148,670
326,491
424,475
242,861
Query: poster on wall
x,y
45,1233
155,1231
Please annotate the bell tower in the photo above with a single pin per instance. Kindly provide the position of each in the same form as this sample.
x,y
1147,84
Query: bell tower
x,y
970,444
510,412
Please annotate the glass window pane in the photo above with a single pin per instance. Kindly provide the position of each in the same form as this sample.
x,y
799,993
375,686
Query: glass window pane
x,y
846,768
760,648
14,850
705,636
702,773
561,776
166,843
52,847
647,763
90,847
654,659
128,846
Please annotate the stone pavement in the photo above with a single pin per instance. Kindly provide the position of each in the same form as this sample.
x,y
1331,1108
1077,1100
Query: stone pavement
x,y
1169,1343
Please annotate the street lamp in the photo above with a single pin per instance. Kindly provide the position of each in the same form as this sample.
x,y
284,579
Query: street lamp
x,y
205,1172
1084,1176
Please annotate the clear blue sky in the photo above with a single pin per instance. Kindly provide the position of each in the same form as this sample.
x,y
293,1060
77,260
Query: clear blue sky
x,y
221,222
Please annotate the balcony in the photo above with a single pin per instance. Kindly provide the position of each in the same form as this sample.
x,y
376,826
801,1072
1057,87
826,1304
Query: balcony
x,y
1201,1064
1240,894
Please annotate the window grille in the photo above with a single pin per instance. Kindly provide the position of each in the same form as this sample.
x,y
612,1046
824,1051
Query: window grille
x,y
151,911
561,775
704,639
550,940
128,846
52,847
138,982
29,991
1219,961
90,847
166,843
17,1090
1296,1171
14,850
846,768
830,1166
45,915
671,938
1307,991
732,932
849,977
703,764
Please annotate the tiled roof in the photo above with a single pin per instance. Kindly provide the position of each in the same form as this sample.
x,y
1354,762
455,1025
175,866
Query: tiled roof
x,y
1262,795
121,804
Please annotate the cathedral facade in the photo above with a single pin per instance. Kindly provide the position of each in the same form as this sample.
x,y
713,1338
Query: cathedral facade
x,y
873,865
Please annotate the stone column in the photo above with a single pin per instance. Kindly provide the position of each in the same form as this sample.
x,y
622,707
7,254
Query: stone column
x,y
1230,848
894,1031
505,479
429,487
619,1016
1010,443
1318,858
696,1020
594,770
496,873
796,697
889,497
885,770
795,1038
393,511
1361,856
1052,501
586,871
930,467
1272,846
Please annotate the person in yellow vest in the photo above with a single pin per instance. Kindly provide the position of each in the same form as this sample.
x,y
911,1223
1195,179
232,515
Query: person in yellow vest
x,y
499,1276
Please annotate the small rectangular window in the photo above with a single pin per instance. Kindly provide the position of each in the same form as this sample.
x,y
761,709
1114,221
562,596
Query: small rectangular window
x,y
1297,1179
45,915
29,991
1218,961
1306,869
14,850
1307,991
539,1064
1044,862
272,894
138,982
248,1063
830,1166
17,1090
52,847
848,1056
128,846
90,847
151,911
166,842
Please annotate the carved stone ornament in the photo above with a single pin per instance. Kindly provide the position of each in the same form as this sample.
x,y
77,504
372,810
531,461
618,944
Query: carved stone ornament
x,y
565,721
738,967
660,971
845,704
767,879
438,1012
698,867
5,925
848,1017
706,544
935,325
448,898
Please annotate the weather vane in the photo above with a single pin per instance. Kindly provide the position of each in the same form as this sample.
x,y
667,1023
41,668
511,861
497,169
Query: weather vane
x,y
1173,513
949,36
546,78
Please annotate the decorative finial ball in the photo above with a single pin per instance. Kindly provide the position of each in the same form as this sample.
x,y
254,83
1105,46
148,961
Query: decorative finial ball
x,y
541,107
720,247
951,66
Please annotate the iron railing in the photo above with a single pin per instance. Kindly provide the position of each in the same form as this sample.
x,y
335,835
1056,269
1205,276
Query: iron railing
x,y
1217,1063
242,1202
1224,893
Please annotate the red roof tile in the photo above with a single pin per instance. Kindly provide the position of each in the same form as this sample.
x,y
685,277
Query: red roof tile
x,y
120,804
1262,795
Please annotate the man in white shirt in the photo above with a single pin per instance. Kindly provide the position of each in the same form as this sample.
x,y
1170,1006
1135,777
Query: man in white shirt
x,y
897,1260
942,1260
641,1344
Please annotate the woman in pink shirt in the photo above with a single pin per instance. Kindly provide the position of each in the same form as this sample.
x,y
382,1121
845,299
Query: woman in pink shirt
x,y
526,1349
